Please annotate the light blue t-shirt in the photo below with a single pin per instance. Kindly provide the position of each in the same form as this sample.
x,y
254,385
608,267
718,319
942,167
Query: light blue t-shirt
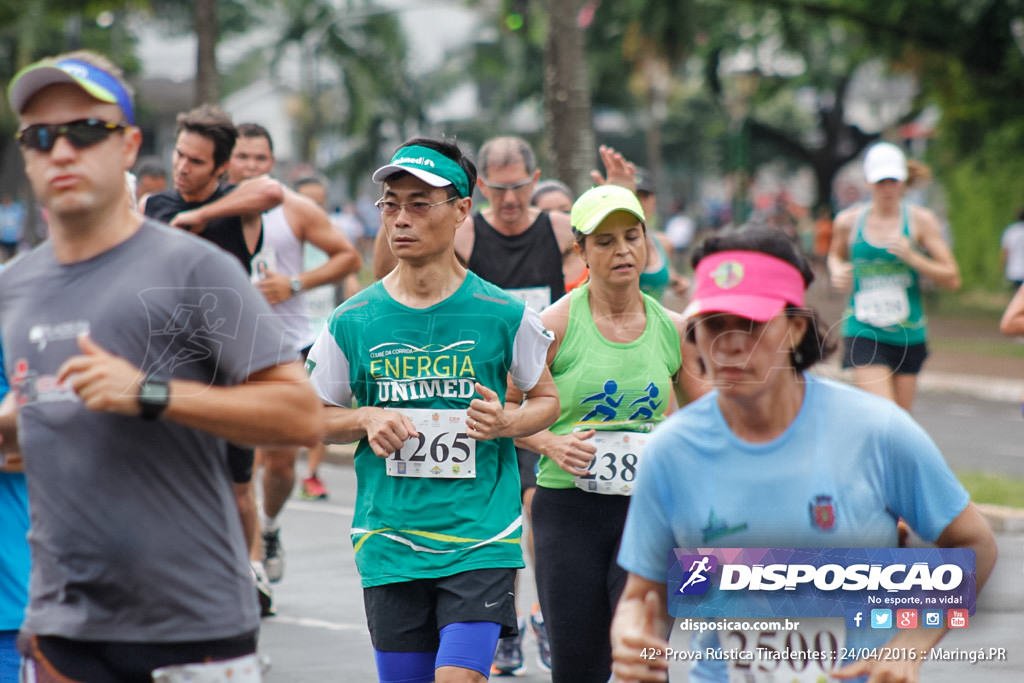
x,y
860,455
14,555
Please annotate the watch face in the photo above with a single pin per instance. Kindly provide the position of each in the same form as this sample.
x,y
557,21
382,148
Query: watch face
x,y
296,285
154,392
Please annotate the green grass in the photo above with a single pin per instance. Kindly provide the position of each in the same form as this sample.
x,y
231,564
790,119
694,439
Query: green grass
x,y
972,304
987,347
993,489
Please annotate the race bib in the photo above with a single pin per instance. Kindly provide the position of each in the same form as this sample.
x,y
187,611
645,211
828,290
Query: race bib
x,y
262,262
613,469
881,307
806,655
239,670
440,450
536,298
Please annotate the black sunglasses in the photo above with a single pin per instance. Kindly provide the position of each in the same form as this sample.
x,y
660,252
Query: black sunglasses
x,y
81,134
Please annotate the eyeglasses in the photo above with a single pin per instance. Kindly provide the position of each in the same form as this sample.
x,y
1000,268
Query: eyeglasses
x,y
511,186
81,134
417,208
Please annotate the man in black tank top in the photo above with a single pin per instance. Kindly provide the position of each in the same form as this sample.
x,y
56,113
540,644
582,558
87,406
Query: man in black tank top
x,y
202,148
529,253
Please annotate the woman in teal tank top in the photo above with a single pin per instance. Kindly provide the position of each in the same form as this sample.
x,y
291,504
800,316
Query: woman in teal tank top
x,y
879,253
617,359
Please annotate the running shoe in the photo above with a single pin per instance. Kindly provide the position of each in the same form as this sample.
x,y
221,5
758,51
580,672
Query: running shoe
x,y
264,593
540,632
313,488
273,555
508,658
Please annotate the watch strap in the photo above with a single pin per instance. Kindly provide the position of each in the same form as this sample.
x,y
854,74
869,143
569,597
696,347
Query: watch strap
x,y
154,395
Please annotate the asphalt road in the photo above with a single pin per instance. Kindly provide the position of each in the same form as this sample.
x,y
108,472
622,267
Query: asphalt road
x,y
974,434
320,631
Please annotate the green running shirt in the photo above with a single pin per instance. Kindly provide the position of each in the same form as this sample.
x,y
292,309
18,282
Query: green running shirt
x,y
382,353
885,304
610,386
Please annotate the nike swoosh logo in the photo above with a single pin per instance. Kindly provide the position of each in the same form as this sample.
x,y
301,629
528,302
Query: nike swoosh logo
x,y
488,605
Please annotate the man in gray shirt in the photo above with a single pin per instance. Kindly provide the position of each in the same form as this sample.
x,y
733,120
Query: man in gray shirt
x,y
134,351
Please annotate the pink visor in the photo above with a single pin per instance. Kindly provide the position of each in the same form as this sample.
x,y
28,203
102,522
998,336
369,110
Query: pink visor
x,y
749,284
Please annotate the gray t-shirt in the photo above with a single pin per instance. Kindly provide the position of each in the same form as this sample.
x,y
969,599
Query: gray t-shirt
x,y
134,531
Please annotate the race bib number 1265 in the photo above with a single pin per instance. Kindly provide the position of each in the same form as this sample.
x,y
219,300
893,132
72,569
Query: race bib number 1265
x,y
441,449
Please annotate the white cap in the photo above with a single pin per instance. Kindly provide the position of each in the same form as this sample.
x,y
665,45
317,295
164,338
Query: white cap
x,y
885,160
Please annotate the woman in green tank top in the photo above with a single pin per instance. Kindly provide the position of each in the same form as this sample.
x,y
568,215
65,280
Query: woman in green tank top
x,y
878,254
617,359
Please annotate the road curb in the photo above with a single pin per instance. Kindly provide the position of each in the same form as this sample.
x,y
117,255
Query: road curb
x,y
997,389
1002,519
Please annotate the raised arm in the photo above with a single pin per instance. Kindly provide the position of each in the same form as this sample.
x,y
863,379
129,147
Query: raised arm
x,y
275,406
938,263
839,267
253,196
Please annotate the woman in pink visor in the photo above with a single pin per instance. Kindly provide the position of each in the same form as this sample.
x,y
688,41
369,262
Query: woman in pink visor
x,y
879,252
775,457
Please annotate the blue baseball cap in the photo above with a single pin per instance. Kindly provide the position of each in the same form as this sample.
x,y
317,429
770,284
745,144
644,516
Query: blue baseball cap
x,y
99,84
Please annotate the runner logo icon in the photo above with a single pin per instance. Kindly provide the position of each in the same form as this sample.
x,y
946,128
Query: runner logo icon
x,y
696,579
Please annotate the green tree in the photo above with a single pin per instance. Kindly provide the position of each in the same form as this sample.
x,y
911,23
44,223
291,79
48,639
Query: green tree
x,y
374,98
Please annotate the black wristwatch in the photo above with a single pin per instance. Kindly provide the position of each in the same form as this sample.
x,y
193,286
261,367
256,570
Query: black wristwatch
x,y
154,395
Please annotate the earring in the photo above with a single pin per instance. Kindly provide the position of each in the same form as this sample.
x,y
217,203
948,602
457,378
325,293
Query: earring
x,y
798,357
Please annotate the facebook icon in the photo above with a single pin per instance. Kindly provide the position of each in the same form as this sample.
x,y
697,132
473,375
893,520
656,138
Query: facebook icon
x,y
855,619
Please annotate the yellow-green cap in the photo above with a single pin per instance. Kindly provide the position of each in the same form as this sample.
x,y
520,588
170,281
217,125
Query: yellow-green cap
x,y
597,203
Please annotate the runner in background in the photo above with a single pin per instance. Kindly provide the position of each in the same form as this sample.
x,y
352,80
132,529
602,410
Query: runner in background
x,y
879,253
278,274
1011,251
770,426
151,177
617,360
14,555
320,302
552,195
427,353
12,226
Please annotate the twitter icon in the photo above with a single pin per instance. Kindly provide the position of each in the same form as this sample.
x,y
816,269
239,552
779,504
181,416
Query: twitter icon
x,y
881,618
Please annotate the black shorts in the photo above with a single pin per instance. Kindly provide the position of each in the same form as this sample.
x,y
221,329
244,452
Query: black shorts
x,y
123,662
240,460
902,360
527,469
408,616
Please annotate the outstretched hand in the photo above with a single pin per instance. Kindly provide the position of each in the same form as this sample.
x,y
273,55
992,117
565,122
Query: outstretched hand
x,y
618,169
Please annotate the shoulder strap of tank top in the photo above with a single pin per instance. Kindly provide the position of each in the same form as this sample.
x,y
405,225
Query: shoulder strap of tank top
x,y
905,220
862,219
